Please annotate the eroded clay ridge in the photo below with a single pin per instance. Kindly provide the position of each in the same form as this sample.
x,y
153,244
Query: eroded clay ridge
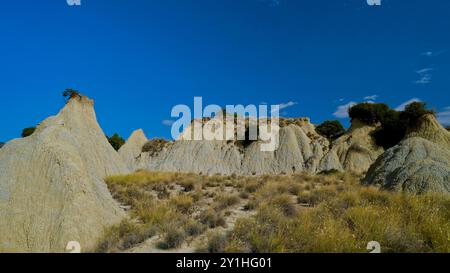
x,y
418,164
52,189
301,149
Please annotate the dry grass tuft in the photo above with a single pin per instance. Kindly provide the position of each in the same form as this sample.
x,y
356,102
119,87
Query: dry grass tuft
x,y
298,213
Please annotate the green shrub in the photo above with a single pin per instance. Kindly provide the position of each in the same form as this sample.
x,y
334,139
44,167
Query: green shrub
x,y
2,144
173,238
448,129
251,205
285,204
116,141
252,186
331,129
391,131
123,236
182,203
216,243
194,228
225,201
393,124
28,131
244,195
212,219
413,112
368,113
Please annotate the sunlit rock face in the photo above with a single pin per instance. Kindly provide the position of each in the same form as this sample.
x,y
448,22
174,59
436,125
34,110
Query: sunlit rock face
x,y
418,164
52,189
299,149
355,151
133,148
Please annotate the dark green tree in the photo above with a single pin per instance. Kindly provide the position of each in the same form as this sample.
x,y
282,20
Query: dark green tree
x,y
391,131
448,128
28,131
368,113
394,124
116,141
331,129
2,144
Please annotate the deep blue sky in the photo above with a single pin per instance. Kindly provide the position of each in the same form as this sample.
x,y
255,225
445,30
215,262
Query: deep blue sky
x,y
139,58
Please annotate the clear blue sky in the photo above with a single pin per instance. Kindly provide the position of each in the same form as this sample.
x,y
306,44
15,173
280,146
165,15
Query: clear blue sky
x,y
139,58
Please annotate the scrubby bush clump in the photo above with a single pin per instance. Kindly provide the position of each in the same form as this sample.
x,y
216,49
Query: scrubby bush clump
x,y
392,130
2,144
116,141
296,213
413,112
28,131
173,238
341,217
368,113
155,146
331,129
124,236
392,124
70,93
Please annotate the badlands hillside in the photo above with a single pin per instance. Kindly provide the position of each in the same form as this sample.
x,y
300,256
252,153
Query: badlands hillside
x,y
53,189
301,149
418,164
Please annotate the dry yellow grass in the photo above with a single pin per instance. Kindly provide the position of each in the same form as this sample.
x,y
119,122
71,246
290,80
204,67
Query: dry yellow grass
x,y
297,213
342,216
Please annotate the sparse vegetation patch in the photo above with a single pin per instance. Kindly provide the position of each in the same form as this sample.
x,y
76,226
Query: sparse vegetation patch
x,y
155,146
298,213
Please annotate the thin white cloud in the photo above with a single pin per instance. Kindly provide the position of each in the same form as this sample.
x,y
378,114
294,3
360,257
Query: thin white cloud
x,y
433,53
284,106
168,122
424,70
342,110
338,100
371,97
424,76
444,116
425,79
402,106
287,104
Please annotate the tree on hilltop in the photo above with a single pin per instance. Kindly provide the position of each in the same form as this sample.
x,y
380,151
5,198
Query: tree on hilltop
x,y
331,129
116,141
70,93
